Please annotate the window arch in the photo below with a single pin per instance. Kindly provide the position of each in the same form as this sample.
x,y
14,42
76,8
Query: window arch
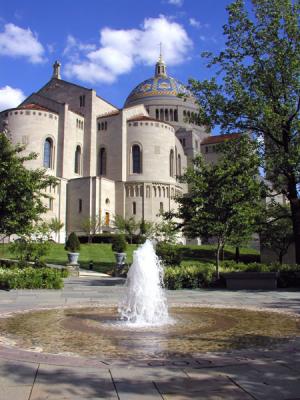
x,y
166,114
78,160
48,153
102,161
171,162
175,115
136,159
179,165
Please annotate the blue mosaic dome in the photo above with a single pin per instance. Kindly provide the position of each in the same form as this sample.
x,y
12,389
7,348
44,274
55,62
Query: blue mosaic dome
x,y
158,86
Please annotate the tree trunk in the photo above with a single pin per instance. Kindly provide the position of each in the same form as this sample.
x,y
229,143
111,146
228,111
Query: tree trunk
x,y
237,254
218,260
295,211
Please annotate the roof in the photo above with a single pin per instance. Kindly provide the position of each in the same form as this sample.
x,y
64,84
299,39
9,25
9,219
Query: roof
x,y
145,118
109,114
33,106
220,138
158,86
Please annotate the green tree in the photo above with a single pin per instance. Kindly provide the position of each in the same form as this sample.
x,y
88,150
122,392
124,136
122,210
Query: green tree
x,y
33,244
55,226
126,226
21,190
258,89
91,226
224,199
166,231
146,228
276,230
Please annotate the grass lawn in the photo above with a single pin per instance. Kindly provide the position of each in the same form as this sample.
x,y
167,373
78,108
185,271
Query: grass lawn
x,y
104,259
101,254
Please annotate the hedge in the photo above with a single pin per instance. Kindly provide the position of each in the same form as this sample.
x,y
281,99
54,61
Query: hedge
x,y
32,278
169,254
189,276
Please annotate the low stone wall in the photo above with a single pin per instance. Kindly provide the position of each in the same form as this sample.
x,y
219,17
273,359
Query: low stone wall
x,y
251,280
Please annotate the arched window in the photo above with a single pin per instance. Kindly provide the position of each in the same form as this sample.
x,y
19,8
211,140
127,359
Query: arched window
x,y
179,165
159,191
136,159
166,114
134,208
161,207
48,153
171,115
102,161
175,115
157,113
172,162
161,114
78,160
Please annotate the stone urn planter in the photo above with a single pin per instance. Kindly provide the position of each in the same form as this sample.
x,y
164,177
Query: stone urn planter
x,y
73,258
251,280
72,247
118,247
120,258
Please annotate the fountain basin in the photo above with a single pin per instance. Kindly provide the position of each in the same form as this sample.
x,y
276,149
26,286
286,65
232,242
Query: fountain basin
x,y
98,333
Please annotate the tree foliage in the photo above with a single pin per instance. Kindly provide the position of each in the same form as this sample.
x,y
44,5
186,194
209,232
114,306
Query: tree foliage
x,y
224,198
91,226
126,226
22,190
72,243
55,226
276,230
33,244
258,89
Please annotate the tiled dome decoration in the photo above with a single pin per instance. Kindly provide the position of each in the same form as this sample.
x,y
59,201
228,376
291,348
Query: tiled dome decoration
x,y
158,86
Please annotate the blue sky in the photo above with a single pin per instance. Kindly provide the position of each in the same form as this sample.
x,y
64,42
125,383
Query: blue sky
x,y
110,46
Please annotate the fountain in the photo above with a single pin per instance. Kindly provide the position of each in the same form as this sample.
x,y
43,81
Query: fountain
x,y
144,302
141,327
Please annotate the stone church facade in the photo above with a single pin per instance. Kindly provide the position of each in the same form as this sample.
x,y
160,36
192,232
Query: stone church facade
x,y
110,161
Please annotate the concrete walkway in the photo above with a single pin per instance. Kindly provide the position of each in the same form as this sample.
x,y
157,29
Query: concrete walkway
x,y
248,374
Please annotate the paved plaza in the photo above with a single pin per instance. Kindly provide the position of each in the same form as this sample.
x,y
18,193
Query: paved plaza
x,y
246,374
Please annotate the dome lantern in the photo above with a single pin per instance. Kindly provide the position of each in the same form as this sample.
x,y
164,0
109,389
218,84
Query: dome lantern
x,y
160,67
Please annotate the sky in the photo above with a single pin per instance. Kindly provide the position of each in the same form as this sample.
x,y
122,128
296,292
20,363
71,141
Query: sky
x,y
110,46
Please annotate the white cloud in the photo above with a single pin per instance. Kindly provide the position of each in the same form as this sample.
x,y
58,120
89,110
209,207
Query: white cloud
x,y
197,24
178,3
194,22
10,97
120,50
19,42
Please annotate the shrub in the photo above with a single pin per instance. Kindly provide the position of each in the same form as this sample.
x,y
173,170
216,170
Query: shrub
x,y
72,244
189,276
119,244
169,254
28,249
31,278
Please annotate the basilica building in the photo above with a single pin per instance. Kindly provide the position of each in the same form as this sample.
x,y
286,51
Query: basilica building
x,y
110,161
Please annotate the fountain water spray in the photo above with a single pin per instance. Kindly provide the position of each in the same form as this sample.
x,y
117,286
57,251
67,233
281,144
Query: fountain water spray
x,y
144,302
